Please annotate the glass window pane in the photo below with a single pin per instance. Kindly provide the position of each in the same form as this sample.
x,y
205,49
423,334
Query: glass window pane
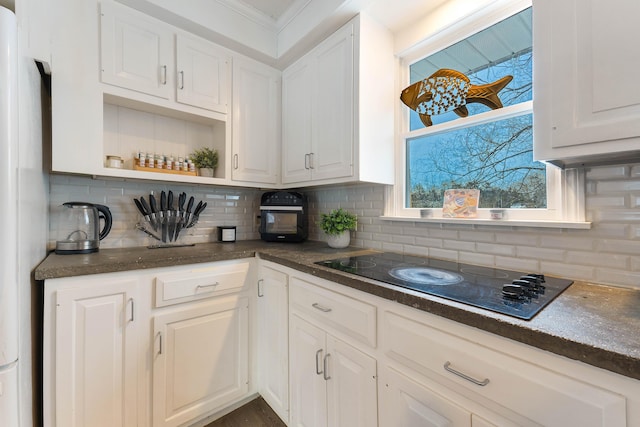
x,y
496,158
502,49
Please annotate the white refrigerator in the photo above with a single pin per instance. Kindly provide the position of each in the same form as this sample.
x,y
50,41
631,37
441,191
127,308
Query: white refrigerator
x,y
9,348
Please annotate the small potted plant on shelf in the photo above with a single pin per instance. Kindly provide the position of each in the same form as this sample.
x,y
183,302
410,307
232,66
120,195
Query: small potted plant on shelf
x,y
206,160
337,225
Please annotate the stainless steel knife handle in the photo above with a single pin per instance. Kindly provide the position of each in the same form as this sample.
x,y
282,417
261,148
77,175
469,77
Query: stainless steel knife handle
x,y
448,368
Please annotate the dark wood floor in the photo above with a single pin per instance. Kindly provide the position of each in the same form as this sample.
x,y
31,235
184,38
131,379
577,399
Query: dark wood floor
x,y
254,414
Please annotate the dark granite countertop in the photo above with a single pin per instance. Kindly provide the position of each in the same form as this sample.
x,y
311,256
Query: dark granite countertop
x,y
594,324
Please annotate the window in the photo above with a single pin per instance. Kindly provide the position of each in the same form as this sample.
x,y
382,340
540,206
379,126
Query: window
x,y
490,149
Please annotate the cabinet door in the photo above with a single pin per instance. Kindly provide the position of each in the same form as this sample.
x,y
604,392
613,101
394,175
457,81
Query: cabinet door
x,y
273,340
581,96
256,122
333,107
406,403
136,51
202,74
96,355
351,386
296,121
200,359
308,386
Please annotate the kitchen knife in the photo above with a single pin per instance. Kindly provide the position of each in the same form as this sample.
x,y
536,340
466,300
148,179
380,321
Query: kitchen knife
x,y
163,215
180,218
170,200
200,208
150,215
153,203
171,216
154,212
189,214
140,207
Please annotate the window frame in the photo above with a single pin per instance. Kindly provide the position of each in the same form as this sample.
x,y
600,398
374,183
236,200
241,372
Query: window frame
x,y
565,188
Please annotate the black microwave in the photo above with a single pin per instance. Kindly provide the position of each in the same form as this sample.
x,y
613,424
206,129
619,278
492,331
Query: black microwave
x,y
283,217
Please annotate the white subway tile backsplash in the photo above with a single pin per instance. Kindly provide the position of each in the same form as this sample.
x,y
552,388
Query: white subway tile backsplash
x,y
518,264
608,172
608,253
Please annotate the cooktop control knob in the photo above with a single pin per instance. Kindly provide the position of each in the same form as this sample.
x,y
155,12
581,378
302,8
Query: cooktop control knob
x,y
512,291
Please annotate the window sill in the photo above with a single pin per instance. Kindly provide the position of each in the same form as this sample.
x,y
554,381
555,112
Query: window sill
x,y
579,225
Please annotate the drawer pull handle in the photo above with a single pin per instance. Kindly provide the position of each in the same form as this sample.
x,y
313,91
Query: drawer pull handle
x,y
318,371
447,367
211,285
321,308
326,371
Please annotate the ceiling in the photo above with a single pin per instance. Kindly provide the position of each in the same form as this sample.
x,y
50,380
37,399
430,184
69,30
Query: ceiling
x,y
391,13
273,9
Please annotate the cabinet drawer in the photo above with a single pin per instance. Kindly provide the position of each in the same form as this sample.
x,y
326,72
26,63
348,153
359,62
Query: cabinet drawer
x,y
336,311
199,283
543,396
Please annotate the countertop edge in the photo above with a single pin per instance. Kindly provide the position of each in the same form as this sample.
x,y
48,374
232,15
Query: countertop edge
x,y
534,333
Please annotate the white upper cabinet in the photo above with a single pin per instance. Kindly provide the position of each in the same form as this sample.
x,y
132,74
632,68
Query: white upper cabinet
x,y
202,74
586,108
338,106
136,51
256,122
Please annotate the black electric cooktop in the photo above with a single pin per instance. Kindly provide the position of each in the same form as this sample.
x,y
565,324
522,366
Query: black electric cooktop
x,y
512,293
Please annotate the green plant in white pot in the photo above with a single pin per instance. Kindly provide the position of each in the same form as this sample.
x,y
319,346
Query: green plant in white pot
x,y
206,160
337,225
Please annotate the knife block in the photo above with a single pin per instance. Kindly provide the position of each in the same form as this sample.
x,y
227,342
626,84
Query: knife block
x,y
168,227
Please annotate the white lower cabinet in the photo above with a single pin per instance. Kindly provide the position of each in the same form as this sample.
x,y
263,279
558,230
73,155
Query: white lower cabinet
x,y
520,390
273,338
200,359
113,360
95,377
333,383
406,403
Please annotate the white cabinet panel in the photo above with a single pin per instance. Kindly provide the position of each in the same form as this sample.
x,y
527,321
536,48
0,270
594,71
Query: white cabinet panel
x,y
273,339
515,384
333,107
96,355
351,387
585,110
296,122
308,388
406,403
256,122
202,74
136,51
200,359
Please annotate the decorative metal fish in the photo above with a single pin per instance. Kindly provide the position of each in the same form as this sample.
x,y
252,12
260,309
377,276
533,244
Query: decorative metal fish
x,y
447,90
